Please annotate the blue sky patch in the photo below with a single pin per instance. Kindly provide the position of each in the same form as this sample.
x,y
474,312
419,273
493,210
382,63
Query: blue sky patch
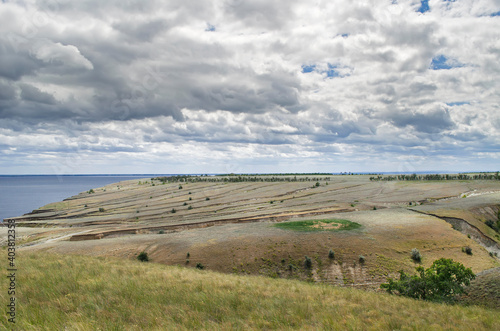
x,y
460,103
424,6
441,62
495,14
331,72
306,69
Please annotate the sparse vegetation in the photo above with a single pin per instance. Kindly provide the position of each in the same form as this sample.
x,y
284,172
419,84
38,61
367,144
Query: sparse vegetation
x,y
101,210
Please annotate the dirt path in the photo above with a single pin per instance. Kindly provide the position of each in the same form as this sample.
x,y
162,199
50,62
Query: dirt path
x,y
51,240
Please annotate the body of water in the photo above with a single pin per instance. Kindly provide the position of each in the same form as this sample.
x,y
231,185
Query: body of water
x,y
22,194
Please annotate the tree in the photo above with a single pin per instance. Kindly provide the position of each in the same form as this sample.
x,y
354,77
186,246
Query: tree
x,y
440,282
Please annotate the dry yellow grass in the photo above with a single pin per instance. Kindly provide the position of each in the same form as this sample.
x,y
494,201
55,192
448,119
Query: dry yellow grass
x,y
57,292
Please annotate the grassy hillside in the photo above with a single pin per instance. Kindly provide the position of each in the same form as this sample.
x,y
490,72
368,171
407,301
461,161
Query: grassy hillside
x,y
57,292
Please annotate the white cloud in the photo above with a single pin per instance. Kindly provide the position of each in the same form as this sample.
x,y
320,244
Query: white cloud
x,y
150,81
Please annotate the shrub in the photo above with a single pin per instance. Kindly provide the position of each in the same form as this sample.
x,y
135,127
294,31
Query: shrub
x,y
101,209
331,254
416,256
188,255
440,282
374,208
90,191
361,259
468,250
493,225
207,198
317,184
161,232
200,266
85,206
190,207
143,257
185,204
180,187
308,262
173,210
190,198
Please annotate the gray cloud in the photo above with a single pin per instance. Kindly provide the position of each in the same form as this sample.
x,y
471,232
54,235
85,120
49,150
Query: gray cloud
x,y
31,93
146,80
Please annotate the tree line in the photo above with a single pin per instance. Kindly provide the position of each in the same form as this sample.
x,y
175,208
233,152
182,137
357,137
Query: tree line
x,y
238,179
415,177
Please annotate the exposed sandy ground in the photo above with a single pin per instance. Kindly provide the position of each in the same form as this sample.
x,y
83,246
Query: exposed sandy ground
x,y
233,230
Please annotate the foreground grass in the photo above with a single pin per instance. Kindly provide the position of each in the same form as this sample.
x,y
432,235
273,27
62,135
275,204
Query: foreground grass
x,y
56,292
319,225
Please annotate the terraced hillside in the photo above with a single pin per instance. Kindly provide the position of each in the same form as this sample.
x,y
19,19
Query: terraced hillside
x,y
227,224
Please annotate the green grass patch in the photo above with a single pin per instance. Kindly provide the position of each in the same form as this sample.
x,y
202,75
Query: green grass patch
x,y
319,225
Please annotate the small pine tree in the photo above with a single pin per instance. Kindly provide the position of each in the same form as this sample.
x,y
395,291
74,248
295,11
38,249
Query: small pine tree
x,y
308,262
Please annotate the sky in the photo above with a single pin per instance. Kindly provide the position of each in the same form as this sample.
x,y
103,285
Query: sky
x,y
233,86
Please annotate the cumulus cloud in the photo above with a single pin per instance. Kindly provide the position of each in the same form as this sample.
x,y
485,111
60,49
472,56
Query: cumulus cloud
x,y
331,86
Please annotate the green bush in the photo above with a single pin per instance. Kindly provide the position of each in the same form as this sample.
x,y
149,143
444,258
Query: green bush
x,y
361,259
200,266
161,232
101,210
416,256
468,250
190,207
440,282
331,254
308,262
90,191
143,257
207,198
173,210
